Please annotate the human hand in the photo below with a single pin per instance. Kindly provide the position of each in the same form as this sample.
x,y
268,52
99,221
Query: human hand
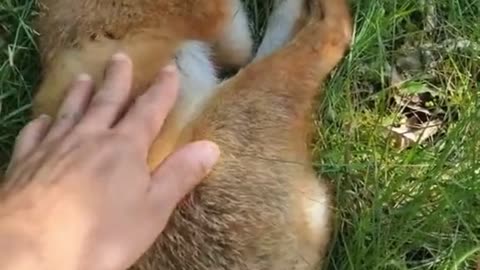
x,y
79,192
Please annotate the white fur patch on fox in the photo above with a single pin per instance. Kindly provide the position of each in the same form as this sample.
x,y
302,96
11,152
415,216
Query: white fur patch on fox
x,y
198,78
236,43
317,211
198,74
280,26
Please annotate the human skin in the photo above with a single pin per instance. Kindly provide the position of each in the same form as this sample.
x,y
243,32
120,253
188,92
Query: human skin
x,y
79,193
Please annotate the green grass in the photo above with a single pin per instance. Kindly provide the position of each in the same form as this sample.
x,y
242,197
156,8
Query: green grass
x,y
18,70
416,208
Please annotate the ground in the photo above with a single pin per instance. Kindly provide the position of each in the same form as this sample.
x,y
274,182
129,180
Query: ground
x,y
413,75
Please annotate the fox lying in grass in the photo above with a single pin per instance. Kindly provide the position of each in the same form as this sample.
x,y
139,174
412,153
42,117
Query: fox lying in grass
x,y
262,207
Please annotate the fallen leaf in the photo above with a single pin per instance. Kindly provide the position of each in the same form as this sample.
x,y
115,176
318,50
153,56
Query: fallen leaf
x,y
410,133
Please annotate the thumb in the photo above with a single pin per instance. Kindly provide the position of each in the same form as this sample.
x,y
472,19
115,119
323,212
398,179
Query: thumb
x,y
180,173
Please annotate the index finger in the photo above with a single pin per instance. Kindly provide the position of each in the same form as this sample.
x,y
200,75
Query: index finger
x,y
112,97
145,118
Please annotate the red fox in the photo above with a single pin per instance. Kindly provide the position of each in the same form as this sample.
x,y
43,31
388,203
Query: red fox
x,y
262,207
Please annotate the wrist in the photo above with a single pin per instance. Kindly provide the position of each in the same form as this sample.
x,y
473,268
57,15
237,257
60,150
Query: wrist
x,y
28,243
18,251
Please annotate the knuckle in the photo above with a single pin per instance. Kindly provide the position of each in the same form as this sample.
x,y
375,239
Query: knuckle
x,y
114,138
105,100
70,115
123,142
144,104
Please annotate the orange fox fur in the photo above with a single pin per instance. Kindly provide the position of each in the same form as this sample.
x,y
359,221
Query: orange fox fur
x,y
262,207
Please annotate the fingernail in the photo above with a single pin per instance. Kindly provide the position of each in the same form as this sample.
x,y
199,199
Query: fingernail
x,y
211,154
120,56
84,77
44,117
170,68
